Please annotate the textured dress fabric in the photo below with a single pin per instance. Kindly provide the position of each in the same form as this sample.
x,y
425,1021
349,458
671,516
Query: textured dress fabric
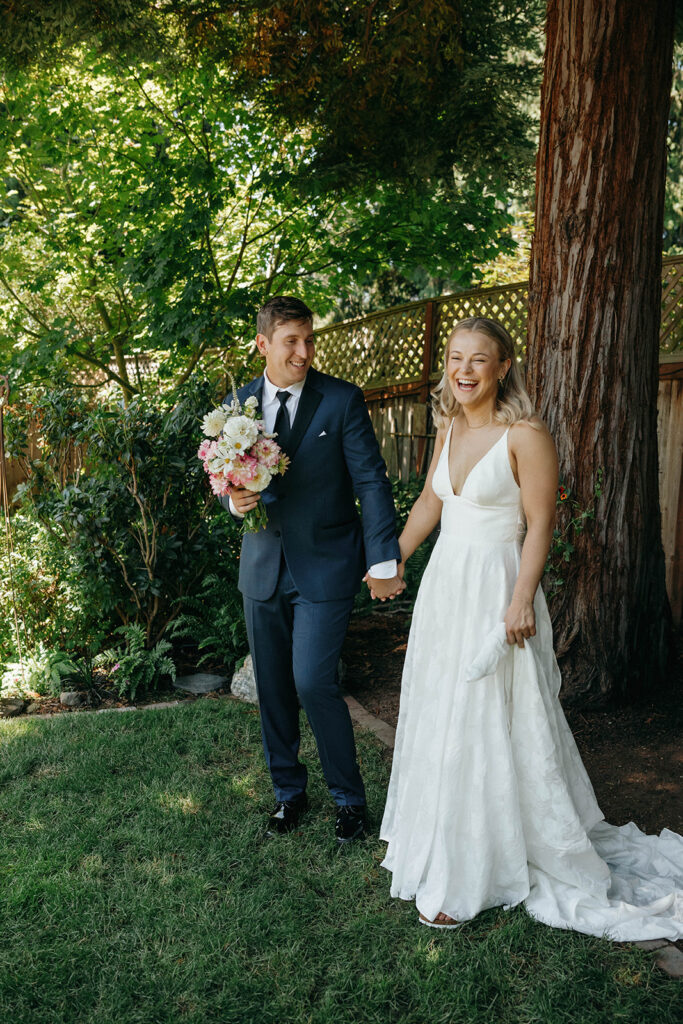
x,y
489,803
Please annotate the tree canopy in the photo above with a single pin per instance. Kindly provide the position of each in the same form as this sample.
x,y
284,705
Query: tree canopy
x,y
147,211
394,87
169,165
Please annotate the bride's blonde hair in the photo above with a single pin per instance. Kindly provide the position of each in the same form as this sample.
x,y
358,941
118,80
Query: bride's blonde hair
x,y
512,402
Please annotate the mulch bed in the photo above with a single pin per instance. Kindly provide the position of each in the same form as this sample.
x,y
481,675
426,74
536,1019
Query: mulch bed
x,y
633,754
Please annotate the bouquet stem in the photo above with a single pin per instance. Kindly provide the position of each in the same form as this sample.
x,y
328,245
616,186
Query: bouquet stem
x,y
255,520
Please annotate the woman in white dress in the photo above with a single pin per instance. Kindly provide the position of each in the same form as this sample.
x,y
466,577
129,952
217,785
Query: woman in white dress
x,y
489,803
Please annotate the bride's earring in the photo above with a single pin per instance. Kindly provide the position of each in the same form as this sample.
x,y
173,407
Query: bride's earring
x,y
502,383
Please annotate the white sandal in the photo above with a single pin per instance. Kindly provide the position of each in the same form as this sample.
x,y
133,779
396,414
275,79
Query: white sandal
x,y
437,924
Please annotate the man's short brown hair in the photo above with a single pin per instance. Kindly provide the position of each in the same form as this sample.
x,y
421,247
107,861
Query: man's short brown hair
x,y
280,310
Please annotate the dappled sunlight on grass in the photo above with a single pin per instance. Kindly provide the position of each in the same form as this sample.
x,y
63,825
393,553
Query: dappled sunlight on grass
x,y
34,825
161,870
92,864
245,785
13,727
147,843
184,803
433,952
46,771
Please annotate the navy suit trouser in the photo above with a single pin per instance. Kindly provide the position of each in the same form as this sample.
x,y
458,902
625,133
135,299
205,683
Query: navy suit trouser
x,y
295,646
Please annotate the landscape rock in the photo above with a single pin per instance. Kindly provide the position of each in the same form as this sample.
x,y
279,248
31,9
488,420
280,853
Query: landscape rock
x,y
33,707
244,684
670,960
11,706
73,699
200,682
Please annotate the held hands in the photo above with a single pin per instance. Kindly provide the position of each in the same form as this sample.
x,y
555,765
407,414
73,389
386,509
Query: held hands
x,y
520,621
386,589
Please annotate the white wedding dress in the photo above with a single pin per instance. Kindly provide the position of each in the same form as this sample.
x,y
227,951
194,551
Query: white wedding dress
x,y
489,803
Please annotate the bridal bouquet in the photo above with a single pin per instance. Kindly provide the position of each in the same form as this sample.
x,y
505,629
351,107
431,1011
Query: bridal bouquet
x,y
238,452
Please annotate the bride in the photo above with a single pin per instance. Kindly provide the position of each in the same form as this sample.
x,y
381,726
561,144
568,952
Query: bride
x,y
489,803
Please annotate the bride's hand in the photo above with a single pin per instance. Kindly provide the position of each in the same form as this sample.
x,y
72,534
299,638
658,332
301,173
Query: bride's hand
x,y
520,622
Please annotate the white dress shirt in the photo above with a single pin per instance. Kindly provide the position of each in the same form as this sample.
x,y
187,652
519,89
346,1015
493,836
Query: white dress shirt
x,y
270,405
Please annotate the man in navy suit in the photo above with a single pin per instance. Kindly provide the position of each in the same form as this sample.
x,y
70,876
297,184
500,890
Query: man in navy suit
x,y
298,577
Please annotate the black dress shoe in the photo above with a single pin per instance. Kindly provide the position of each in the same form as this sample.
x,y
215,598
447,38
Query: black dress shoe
x,y
285,816
351,823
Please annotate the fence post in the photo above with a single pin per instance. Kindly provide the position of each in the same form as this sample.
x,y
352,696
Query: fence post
x,y
427,355
428,350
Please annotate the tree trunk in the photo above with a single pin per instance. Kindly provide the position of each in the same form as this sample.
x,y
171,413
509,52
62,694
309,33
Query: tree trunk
x,y
594,304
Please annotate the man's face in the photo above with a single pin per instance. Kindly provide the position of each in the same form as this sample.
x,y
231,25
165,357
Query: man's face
x,y
289,352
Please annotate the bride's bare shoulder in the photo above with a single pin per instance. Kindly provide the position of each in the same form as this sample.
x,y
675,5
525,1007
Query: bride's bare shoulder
x,y
534,426
530,437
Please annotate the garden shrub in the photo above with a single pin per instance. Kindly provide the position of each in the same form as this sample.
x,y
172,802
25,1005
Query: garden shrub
x,y
124,510
53,606
138,666
41,670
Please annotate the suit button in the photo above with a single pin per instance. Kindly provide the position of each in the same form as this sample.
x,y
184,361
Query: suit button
x,y
276,532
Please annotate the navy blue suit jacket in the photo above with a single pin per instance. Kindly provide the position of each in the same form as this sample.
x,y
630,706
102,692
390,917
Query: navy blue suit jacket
x,y
312,516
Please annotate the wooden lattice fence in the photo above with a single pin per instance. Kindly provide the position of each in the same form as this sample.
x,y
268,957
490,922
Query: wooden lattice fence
x,y
403,346
395,356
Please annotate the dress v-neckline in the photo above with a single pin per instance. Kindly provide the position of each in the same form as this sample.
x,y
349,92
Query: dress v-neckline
x,y
447,448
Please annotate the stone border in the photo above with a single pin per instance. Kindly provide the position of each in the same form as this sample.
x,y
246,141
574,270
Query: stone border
x,y
382,730
669,957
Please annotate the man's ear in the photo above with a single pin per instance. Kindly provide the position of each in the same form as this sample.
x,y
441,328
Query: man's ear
x,y
262,344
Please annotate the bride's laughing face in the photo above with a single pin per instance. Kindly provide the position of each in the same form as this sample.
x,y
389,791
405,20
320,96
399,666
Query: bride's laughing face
x,y
474,368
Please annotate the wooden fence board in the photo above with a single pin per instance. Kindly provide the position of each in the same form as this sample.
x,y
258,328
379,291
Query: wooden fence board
x,y
670,434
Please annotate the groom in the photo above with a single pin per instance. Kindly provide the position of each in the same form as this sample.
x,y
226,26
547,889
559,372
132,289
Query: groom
x,y
298,577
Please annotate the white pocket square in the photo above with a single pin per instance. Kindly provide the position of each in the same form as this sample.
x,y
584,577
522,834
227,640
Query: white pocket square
x,y
323,433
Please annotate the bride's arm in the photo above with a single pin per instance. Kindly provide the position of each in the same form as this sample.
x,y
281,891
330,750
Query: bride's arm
x,y
535,463
426,512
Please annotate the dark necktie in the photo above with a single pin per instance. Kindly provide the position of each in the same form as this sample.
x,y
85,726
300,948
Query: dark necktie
x,y
282,427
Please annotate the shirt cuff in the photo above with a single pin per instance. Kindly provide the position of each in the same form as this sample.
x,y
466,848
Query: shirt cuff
x,y
384,570
238,515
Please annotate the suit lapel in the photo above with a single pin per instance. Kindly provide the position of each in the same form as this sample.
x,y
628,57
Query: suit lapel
x,y
256,389
308,403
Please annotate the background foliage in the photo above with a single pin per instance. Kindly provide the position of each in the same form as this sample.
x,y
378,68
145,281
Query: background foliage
x,y
151,210
118,528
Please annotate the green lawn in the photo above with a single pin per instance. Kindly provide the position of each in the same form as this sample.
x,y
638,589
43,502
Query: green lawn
x,y
136,888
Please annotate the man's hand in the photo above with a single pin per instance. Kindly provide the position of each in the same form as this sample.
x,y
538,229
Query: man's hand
x,y
243,499
384,589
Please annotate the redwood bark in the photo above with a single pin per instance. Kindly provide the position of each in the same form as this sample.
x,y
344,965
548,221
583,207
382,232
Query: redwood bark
x,y
594,304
